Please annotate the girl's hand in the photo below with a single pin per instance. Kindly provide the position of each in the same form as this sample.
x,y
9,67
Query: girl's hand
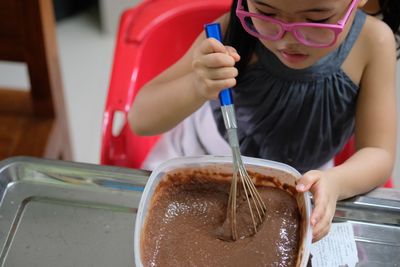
x,y
325,195
213,66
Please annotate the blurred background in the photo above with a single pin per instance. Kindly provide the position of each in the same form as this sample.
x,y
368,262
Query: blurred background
x,y
85,33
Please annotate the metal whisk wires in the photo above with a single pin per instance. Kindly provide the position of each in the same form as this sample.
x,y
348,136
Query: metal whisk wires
x,y
254,201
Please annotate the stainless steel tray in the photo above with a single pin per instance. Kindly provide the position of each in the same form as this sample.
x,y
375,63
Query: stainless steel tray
x,y
56,213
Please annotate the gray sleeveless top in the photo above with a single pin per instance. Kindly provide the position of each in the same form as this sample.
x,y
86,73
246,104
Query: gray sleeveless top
x,y
299,117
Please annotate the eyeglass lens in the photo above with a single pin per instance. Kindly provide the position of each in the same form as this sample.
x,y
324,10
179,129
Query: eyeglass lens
x,y
305,34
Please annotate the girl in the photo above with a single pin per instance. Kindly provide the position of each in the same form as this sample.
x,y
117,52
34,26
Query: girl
x,y
306,76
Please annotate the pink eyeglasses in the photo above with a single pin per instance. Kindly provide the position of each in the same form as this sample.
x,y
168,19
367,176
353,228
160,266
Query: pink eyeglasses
x,y
310,34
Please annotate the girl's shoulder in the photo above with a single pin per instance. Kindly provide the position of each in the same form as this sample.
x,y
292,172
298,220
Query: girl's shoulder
x,y
375,44
376,36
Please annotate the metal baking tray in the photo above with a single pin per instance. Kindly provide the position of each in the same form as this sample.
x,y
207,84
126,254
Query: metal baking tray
x,y
57,213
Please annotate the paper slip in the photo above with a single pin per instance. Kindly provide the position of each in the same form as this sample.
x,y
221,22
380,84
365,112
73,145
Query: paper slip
x,y
338,248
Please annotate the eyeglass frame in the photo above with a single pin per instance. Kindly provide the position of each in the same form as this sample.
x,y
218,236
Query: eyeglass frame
x,y
291,27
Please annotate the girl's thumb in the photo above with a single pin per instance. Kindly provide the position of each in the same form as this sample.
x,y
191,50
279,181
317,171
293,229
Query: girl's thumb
x,y
306,181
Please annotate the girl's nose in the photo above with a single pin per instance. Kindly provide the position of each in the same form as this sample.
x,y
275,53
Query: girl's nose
x,y
288,38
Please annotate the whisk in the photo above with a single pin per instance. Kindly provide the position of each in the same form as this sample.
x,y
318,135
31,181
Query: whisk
x,y
255,203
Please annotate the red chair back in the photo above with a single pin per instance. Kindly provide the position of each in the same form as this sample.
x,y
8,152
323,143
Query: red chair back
x,y
151,37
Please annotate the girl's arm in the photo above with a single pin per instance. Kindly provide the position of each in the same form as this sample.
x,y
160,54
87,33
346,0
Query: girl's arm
x,y
205,69
375,130
375,134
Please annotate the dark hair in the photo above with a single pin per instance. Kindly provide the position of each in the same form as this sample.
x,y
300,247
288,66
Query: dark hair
x,y
244,43
390,11
237,37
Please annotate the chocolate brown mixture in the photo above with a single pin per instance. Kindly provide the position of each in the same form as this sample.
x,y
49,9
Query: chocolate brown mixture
x,y
186,212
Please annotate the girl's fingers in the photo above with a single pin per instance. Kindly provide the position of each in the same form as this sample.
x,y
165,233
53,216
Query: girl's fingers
x,y
213,87
222,73
321,228
217,51
307,180
324,201
320,208
212,45
321,233
233,53
217,60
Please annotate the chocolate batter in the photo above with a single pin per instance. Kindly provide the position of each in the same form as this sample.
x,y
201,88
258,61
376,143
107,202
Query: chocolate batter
x,y
188,210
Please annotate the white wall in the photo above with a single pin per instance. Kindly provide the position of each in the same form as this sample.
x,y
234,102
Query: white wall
x,y
110,12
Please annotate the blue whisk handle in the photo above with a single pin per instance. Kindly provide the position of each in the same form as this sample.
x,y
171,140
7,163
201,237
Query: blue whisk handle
x,y
213,30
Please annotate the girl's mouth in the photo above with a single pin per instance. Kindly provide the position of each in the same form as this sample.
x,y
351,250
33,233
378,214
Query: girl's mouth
x,y
292,56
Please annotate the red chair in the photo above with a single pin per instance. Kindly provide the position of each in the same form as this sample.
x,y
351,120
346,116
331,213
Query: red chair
x,y
151,37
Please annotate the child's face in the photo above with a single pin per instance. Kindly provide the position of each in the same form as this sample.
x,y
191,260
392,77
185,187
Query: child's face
x,y
288,49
